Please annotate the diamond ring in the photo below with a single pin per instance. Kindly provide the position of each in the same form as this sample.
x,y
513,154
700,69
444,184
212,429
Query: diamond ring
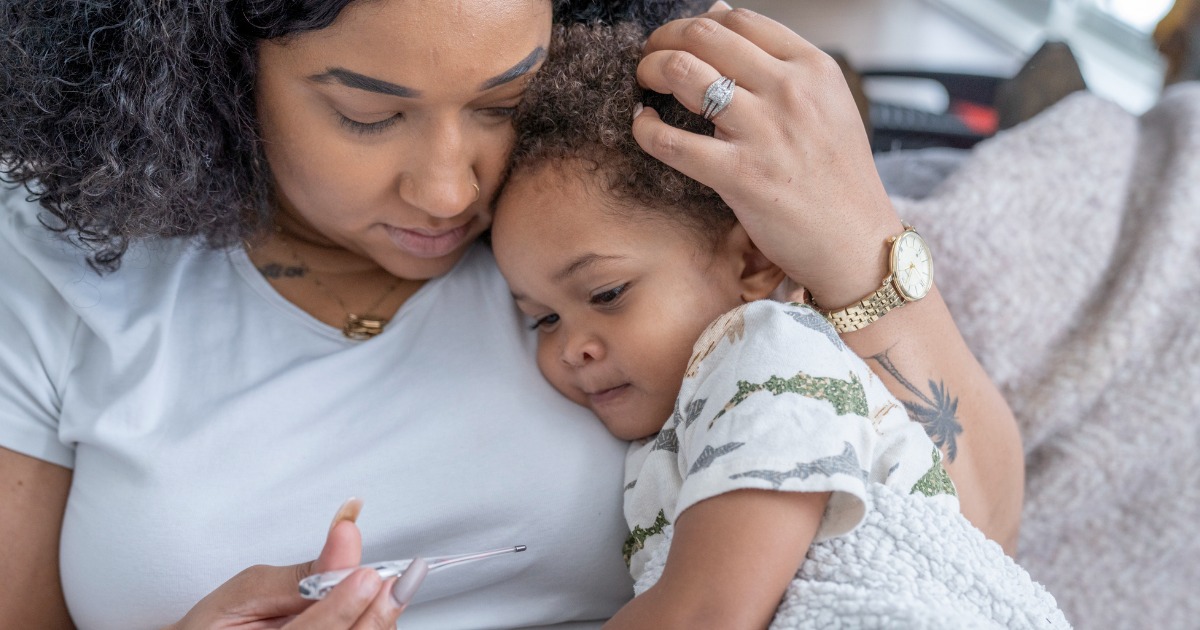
x,y
717,97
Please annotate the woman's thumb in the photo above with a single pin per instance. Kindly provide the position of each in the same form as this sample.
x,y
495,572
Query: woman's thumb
x,y
343,544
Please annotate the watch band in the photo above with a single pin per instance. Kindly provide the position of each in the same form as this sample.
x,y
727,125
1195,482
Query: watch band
x,y
867,310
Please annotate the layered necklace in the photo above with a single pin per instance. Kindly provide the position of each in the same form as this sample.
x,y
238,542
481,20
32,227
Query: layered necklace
x,y
356,327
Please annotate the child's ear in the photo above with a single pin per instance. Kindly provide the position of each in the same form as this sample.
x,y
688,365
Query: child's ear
x,y
759,276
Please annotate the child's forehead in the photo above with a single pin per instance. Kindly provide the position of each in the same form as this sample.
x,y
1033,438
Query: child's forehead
x,y
577,192
561,186
572,173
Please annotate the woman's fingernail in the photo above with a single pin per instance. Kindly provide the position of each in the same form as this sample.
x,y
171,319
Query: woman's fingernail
x,y
348,512
720,5
637,110
406,587
388,585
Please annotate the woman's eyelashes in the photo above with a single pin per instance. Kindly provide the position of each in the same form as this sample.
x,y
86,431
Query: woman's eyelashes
x,y
500,114
502,105
364,128
504,113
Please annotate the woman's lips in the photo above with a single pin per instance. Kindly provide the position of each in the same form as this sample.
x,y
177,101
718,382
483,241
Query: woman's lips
x,y
428,243
607,396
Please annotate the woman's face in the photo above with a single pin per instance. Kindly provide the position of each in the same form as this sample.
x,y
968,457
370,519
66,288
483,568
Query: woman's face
x,y
379,128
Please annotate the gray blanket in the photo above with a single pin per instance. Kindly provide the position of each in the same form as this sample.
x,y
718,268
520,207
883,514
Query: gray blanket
x,y
1069,251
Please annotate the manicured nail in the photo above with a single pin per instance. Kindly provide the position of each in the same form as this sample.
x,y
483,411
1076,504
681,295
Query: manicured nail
x,y
388,585
348,512
720,5
637,110
406,587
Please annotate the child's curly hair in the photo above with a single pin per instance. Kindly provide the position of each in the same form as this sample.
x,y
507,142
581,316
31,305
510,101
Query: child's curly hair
x,y
580,107
131,119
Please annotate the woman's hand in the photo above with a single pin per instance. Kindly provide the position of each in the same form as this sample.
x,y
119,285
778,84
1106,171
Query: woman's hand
x,y
268,597
790,155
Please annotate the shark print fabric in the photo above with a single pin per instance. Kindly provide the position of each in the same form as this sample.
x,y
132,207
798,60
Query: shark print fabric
x,y
773,400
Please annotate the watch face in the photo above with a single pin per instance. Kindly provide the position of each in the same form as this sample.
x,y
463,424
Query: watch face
x,y
912,265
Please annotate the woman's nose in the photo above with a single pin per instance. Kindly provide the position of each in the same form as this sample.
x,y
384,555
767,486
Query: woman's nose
x,y
441,182
581,349
442,196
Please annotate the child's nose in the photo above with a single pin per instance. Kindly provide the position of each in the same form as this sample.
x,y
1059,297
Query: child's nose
x,y
581,349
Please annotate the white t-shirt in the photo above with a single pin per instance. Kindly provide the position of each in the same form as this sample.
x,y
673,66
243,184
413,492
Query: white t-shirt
x,y
212,425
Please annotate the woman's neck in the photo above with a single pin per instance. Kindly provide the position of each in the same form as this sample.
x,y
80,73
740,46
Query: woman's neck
x,y
323,278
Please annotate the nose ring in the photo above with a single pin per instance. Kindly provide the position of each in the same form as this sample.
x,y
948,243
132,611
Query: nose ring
x,y
476,187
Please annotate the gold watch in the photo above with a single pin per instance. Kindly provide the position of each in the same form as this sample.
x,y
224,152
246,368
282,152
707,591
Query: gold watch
x,y
910,279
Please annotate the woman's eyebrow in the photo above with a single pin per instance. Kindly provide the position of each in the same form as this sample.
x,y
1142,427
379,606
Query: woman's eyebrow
x,y
523,66
358,81
352,79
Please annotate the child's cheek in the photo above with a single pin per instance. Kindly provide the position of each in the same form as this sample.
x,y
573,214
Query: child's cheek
x,y
554,371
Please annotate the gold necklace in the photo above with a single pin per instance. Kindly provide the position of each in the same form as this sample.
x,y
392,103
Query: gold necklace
x,y
356,327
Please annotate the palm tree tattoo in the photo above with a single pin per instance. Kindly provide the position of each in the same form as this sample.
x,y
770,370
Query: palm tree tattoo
x,y
938,415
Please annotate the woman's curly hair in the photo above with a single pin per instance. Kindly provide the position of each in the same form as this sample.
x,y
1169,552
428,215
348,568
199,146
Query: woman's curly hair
x,y
579,109
130,119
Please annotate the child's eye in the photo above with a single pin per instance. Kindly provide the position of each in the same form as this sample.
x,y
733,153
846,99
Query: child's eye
x,y
610,296
545,323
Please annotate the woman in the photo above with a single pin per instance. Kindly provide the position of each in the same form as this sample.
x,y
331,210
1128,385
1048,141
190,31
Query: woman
x,y
195,411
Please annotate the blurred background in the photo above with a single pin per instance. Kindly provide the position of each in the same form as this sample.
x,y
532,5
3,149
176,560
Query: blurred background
x,y
973,46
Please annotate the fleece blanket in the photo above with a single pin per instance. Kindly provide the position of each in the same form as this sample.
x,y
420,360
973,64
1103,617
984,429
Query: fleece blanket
x,y
1068,249
912,563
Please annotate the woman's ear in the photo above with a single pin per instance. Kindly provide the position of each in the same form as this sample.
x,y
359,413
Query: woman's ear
x,y
758,277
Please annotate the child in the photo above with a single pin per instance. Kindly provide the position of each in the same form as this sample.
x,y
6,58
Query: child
x,y
756,431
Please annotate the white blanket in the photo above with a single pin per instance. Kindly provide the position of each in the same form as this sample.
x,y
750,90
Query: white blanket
x,y
913,564
1068,250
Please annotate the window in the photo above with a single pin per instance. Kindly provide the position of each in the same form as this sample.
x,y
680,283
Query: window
x,y
1110,38
1142,15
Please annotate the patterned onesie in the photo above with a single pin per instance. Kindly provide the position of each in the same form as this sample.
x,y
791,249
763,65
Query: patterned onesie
x,y
773,399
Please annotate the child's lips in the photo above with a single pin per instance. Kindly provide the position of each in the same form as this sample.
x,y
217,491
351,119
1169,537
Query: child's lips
x,y
608,395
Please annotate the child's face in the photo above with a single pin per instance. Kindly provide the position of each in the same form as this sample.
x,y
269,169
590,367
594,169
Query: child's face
x,y
617,301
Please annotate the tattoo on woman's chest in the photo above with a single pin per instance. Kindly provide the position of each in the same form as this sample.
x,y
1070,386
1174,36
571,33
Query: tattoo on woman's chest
x,y
275,271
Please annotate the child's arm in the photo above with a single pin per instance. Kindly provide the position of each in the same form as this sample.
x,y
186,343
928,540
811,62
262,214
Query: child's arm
x,y
731,559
